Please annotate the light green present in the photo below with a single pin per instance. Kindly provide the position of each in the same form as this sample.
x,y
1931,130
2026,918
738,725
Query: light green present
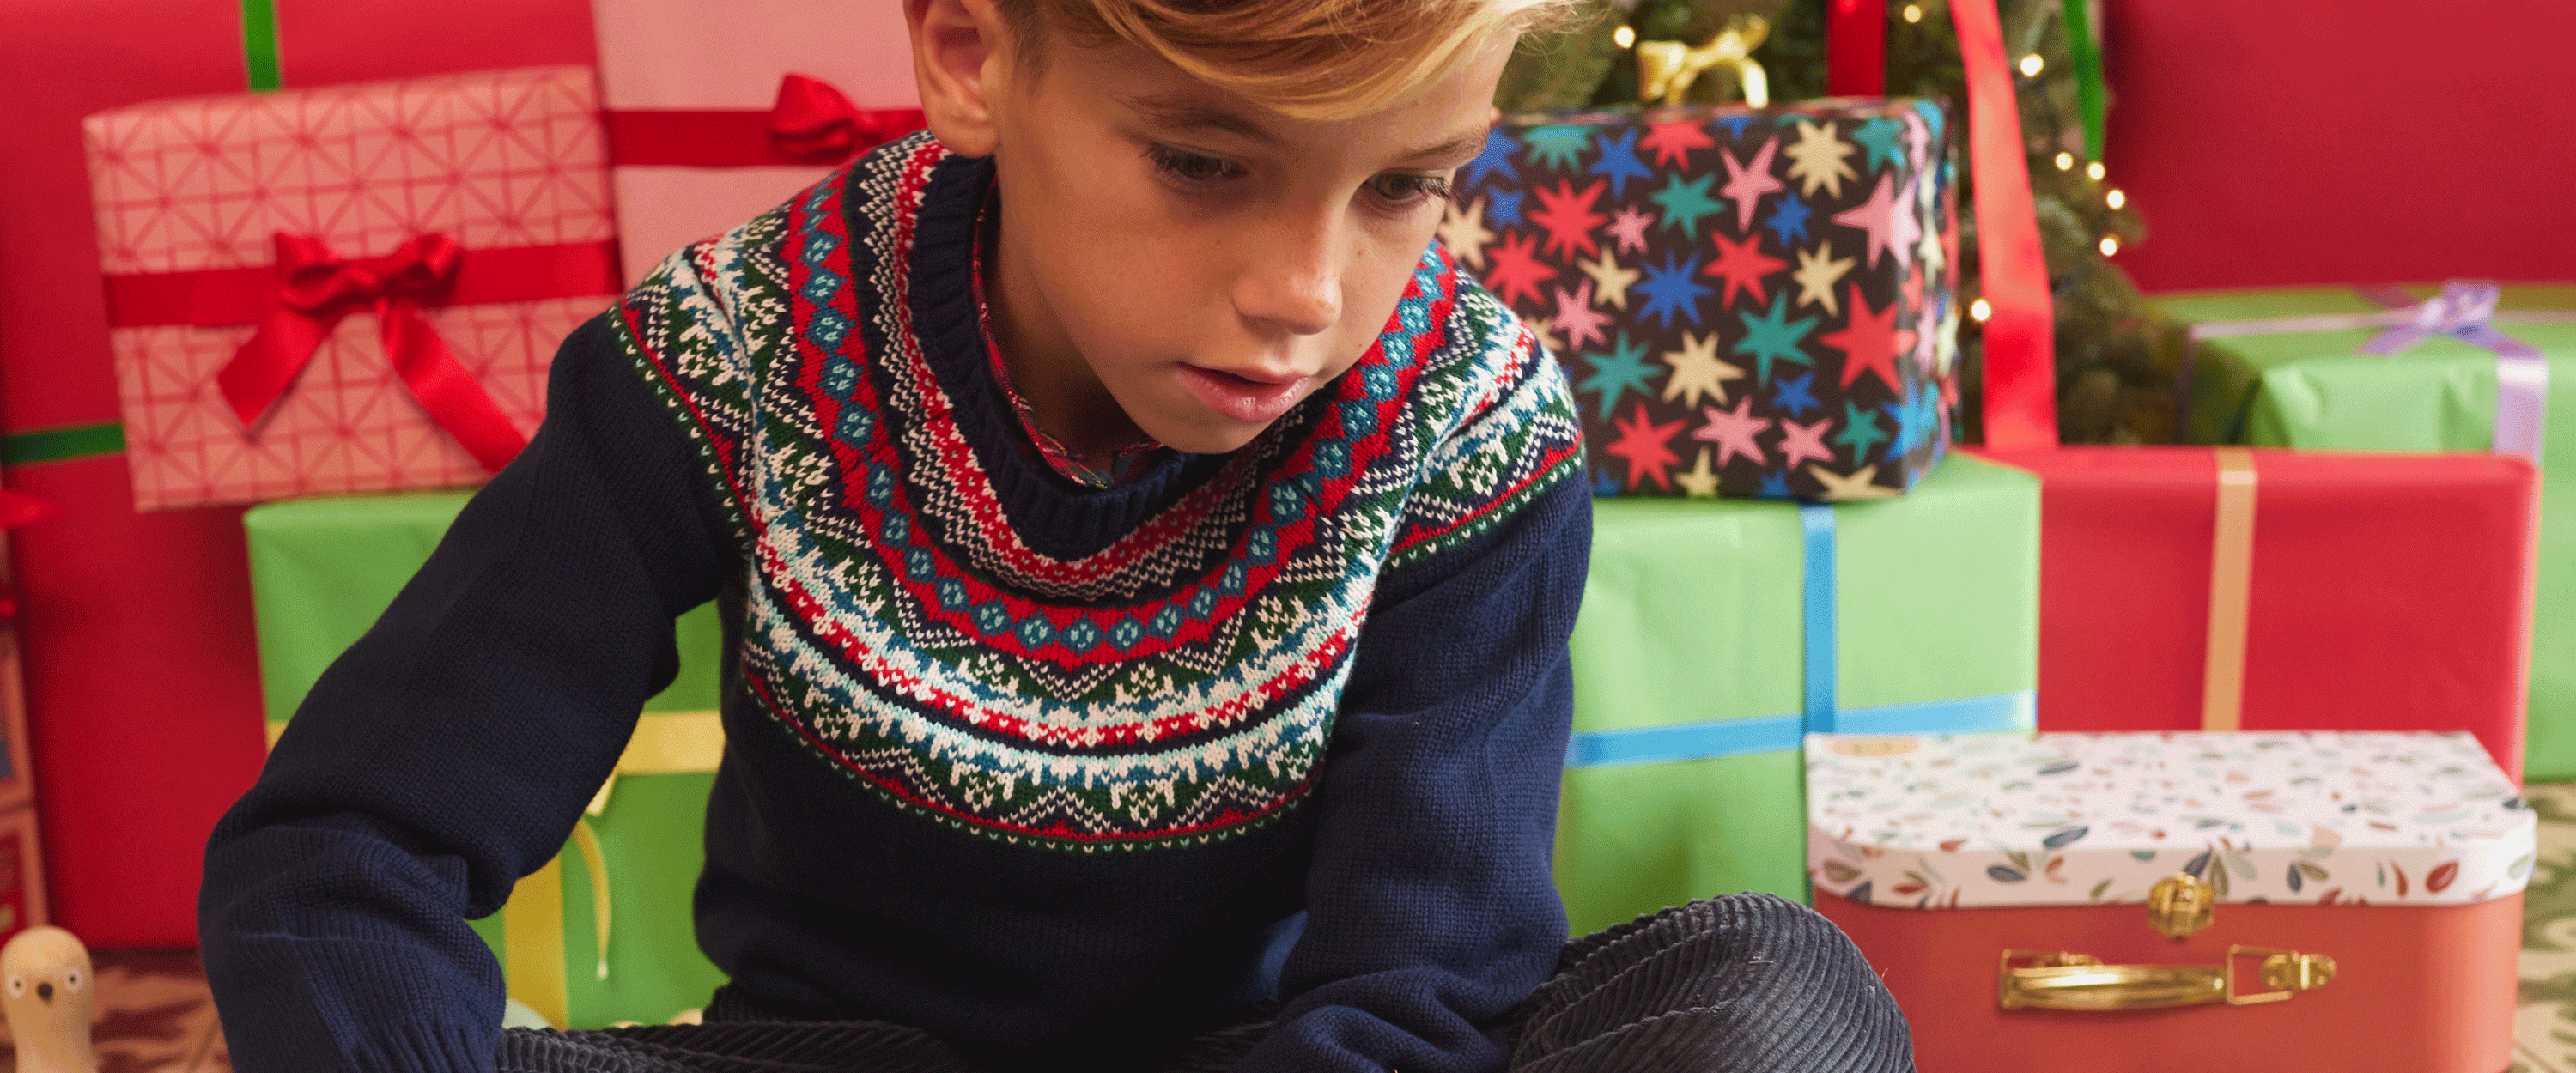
x,y
604,933
2262,380
1714,633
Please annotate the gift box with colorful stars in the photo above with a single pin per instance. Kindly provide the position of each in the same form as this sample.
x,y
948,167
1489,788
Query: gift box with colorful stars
x,y
1750,301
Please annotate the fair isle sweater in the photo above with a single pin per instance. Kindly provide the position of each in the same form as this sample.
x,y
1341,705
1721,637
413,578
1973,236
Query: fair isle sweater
x,y
1049,771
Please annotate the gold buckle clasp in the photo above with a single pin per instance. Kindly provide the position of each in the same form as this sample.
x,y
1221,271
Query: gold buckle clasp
x,y
2065,980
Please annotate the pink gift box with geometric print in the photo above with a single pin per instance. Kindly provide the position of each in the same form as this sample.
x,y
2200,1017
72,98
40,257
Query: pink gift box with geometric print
x,y
347,289
718,110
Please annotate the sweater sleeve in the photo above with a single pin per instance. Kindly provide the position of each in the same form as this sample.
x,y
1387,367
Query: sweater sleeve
x,y
1431,907
450,750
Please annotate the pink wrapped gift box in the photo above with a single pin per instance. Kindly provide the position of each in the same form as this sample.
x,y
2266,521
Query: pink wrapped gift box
x,y
720,109
504,172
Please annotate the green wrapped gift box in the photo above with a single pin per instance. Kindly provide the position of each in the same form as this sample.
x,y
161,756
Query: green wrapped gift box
x,y
322,571
1714,633
2275,367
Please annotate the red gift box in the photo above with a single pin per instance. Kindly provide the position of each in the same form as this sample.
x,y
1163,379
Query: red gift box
x,y
2378,591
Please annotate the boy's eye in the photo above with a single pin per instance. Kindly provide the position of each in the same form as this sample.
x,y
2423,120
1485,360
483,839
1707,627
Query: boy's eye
x,y
1186,166
1410,189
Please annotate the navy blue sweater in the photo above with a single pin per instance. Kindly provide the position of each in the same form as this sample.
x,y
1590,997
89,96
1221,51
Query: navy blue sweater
x,y
1046,770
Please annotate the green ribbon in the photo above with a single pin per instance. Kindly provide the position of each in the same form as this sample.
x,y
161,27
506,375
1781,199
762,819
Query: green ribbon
x,y
259,44
2086,54
61,444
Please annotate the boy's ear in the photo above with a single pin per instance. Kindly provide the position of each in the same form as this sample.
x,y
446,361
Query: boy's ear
x,y
956,44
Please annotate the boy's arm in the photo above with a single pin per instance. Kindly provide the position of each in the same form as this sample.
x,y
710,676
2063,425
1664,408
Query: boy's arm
x,y
1431,908
448,752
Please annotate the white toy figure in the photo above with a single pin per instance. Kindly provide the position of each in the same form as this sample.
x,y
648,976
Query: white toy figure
x,y
47,978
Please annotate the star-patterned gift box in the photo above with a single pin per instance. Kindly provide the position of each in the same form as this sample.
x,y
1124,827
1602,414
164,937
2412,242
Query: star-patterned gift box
x,y
1750,301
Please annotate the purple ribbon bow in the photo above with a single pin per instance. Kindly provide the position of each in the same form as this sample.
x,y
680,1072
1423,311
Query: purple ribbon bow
x,y
2465,310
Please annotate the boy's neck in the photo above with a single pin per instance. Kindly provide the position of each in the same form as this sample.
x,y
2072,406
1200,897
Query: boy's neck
x,y
1068,400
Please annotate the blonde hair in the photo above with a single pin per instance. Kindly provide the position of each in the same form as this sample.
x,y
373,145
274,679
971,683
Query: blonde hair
x,y
1308,59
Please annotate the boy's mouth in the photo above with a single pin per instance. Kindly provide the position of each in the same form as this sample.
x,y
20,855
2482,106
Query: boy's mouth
x,y
1252,397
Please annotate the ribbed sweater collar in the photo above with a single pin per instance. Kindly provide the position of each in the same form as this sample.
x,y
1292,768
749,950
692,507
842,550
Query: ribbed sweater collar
x,y
1052,515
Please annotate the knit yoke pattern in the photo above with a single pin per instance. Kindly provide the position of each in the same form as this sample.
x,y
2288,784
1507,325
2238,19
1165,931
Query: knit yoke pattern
x,y
1173,686
1049,772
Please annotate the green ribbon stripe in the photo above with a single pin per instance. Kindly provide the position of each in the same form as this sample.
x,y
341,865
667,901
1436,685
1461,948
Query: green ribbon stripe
x,y
61,444
259,44
2087,57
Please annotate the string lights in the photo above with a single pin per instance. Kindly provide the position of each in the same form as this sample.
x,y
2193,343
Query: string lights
x,y
2115,198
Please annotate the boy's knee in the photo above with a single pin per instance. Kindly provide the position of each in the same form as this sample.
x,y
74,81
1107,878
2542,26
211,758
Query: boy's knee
x,y
1743,983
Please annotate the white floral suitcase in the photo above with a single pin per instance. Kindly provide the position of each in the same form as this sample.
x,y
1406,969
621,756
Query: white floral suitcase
x,y
2114,902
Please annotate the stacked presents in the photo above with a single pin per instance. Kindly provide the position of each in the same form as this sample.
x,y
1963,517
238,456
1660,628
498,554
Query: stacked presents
x,y
2224,711
340,304
2278,693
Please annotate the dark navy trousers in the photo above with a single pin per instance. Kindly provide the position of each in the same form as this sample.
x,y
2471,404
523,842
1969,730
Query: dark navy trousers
x,y
1749,983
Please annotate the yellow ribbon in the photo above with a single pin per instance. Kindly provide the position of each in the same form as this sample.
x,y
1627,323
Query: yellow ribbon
x,y
532,923
1666,69
2231,577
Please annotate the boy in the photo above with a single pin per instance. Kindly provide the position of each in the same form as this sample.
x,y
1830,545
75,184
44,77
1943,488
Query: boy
x,y
1147,570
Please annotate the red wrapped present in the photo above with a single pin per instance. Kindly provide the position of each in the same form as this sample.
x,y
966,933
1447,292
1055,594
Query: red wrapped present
x,y
718,111
2221,589
348,289
2135,903
2191,588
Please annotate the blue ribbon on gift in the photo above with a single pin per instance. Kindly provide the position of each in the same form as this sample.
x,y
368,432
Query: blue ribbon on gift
x,y
1820,714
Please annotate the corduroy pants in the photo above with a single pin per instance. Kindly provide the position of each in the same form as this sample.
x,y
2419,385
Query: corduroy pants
x,y
1749,983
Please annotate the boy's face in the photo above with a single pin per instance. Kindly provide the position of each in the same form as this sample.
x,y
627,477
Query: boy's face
x,y
1176,260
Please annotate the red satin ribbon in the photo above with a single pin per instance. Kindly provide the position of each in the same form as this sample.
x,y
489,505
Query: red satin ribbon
x,y
2021,325
811,122
316,287
214,297
1856,48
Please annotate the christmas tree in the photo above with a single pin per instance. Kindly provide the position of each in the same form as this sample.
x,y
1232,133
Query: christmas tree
x,y
2116,366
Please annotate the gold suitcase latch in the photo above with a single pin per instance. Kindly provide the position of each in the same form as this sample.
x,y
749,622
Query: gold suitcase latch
x,y
2179,904
2060,980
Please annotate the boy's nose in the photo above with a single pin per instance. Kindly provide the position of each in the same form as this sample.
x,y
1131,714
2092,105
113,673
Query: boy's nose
x,y
1295,280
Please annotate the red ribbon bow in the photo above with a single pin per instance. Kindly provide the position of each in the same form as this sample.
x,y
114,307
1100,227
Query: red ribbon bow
x,y
316,287
815,122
